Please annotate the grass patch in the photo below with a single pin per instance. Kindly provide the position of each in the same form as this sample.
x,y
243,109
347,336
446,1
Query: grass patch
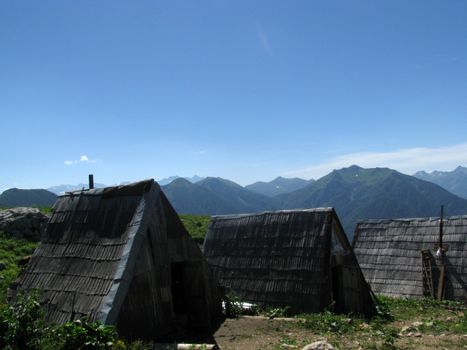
x,y
196,225
326,322
12,250
401,318
45,210
435,316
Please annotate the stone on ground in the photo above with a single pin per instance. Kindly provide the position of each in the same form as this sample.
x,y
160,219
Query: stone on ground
x,y
319,345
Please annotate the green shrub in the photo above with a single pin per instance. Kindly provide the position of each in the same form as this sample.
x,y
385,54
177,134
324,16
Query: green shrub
x,y
232,305
274,312
22,327
22,324
84,335
383,311
389,339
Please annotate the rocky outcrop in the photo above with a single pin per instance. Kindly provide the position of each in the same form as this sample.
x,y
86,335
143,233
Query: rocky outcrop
x,y
319,345
23,222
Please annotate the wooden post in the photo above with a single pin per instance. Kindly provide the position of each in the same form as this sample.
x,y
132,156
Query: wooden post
x,y
91,181
442,279
442,269
441,234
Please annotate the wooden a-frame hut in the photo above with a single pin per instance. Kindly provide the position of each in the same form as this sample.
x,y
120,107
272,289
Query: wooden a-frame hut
x,y
390,255
121,255
299,259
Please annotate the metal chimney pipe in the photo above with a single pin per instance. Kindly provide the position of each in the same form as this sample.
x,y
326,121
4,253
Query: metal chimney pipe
x,y
91,181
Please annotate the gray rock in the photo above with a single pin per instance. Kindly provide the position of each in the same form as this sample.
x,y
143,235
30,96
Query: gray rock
x,y
23,222
319,345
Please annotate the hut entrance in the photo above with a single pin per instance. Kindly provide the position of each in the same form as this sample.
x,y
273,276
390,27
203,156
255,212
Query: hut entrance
x,y
178,288
337,287
346,288
189,294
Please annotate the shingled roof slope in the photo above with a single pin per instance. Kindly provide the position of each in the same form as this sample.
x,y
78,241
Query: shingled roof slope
x,y
281,258
389,253
86,249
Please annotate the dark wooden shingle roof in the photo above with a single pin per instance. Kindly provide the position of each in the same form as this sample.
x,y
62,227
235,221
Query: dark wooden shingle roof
x,y
273,258
87,241
388,252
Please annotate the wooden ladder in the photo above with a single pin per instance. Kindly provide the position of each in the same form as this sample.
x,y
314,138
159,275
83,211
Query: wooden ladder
x,y
428,289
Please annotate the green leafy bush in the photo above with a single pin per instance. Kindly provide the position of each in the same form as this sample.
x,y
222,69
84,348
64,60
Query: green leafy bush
x,y
383,311
22,327
389,336
232,305
274,312
84,335
22,324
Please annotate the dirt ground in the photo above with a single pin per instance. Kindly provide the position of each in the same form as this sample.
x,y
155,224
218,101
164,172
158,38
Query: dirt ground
x,y
257,332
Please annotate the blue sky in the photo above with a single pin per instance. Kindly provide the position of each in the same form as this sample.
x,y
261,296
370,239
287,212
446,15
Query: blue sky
x,y
245,90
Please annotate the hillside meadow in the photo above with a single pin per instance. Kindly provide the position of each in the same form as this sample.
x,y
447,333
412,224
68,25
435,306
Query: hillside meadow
x,y
196,225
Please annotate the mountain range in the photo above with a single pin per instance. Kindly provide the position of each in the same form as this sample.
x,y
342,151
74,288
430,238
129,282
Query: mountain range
x,y
358,193
279,185
355,192
61,189
454,181
192,179
214,196
15,197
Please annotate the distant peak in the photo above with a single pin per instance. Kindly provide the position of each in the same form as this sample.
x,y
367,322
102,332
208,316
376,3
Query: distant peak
x,y
212,178
458,169
180,180
354,167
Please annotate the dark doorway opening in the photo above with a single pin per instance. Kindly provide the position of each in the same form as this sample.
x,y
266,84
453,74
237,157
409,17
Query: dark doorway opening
x,y
337,288
178,288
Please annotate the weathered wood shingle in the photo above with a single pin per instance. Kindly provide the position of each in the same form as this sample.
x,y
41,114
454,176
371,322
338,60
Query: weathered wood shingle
x,y
389,253
281,258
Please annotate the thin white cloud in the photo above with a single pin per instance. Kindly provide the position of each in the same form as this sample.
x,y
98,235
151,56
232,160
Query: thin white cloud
x,y
407,161
203,151
263,39
82,159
